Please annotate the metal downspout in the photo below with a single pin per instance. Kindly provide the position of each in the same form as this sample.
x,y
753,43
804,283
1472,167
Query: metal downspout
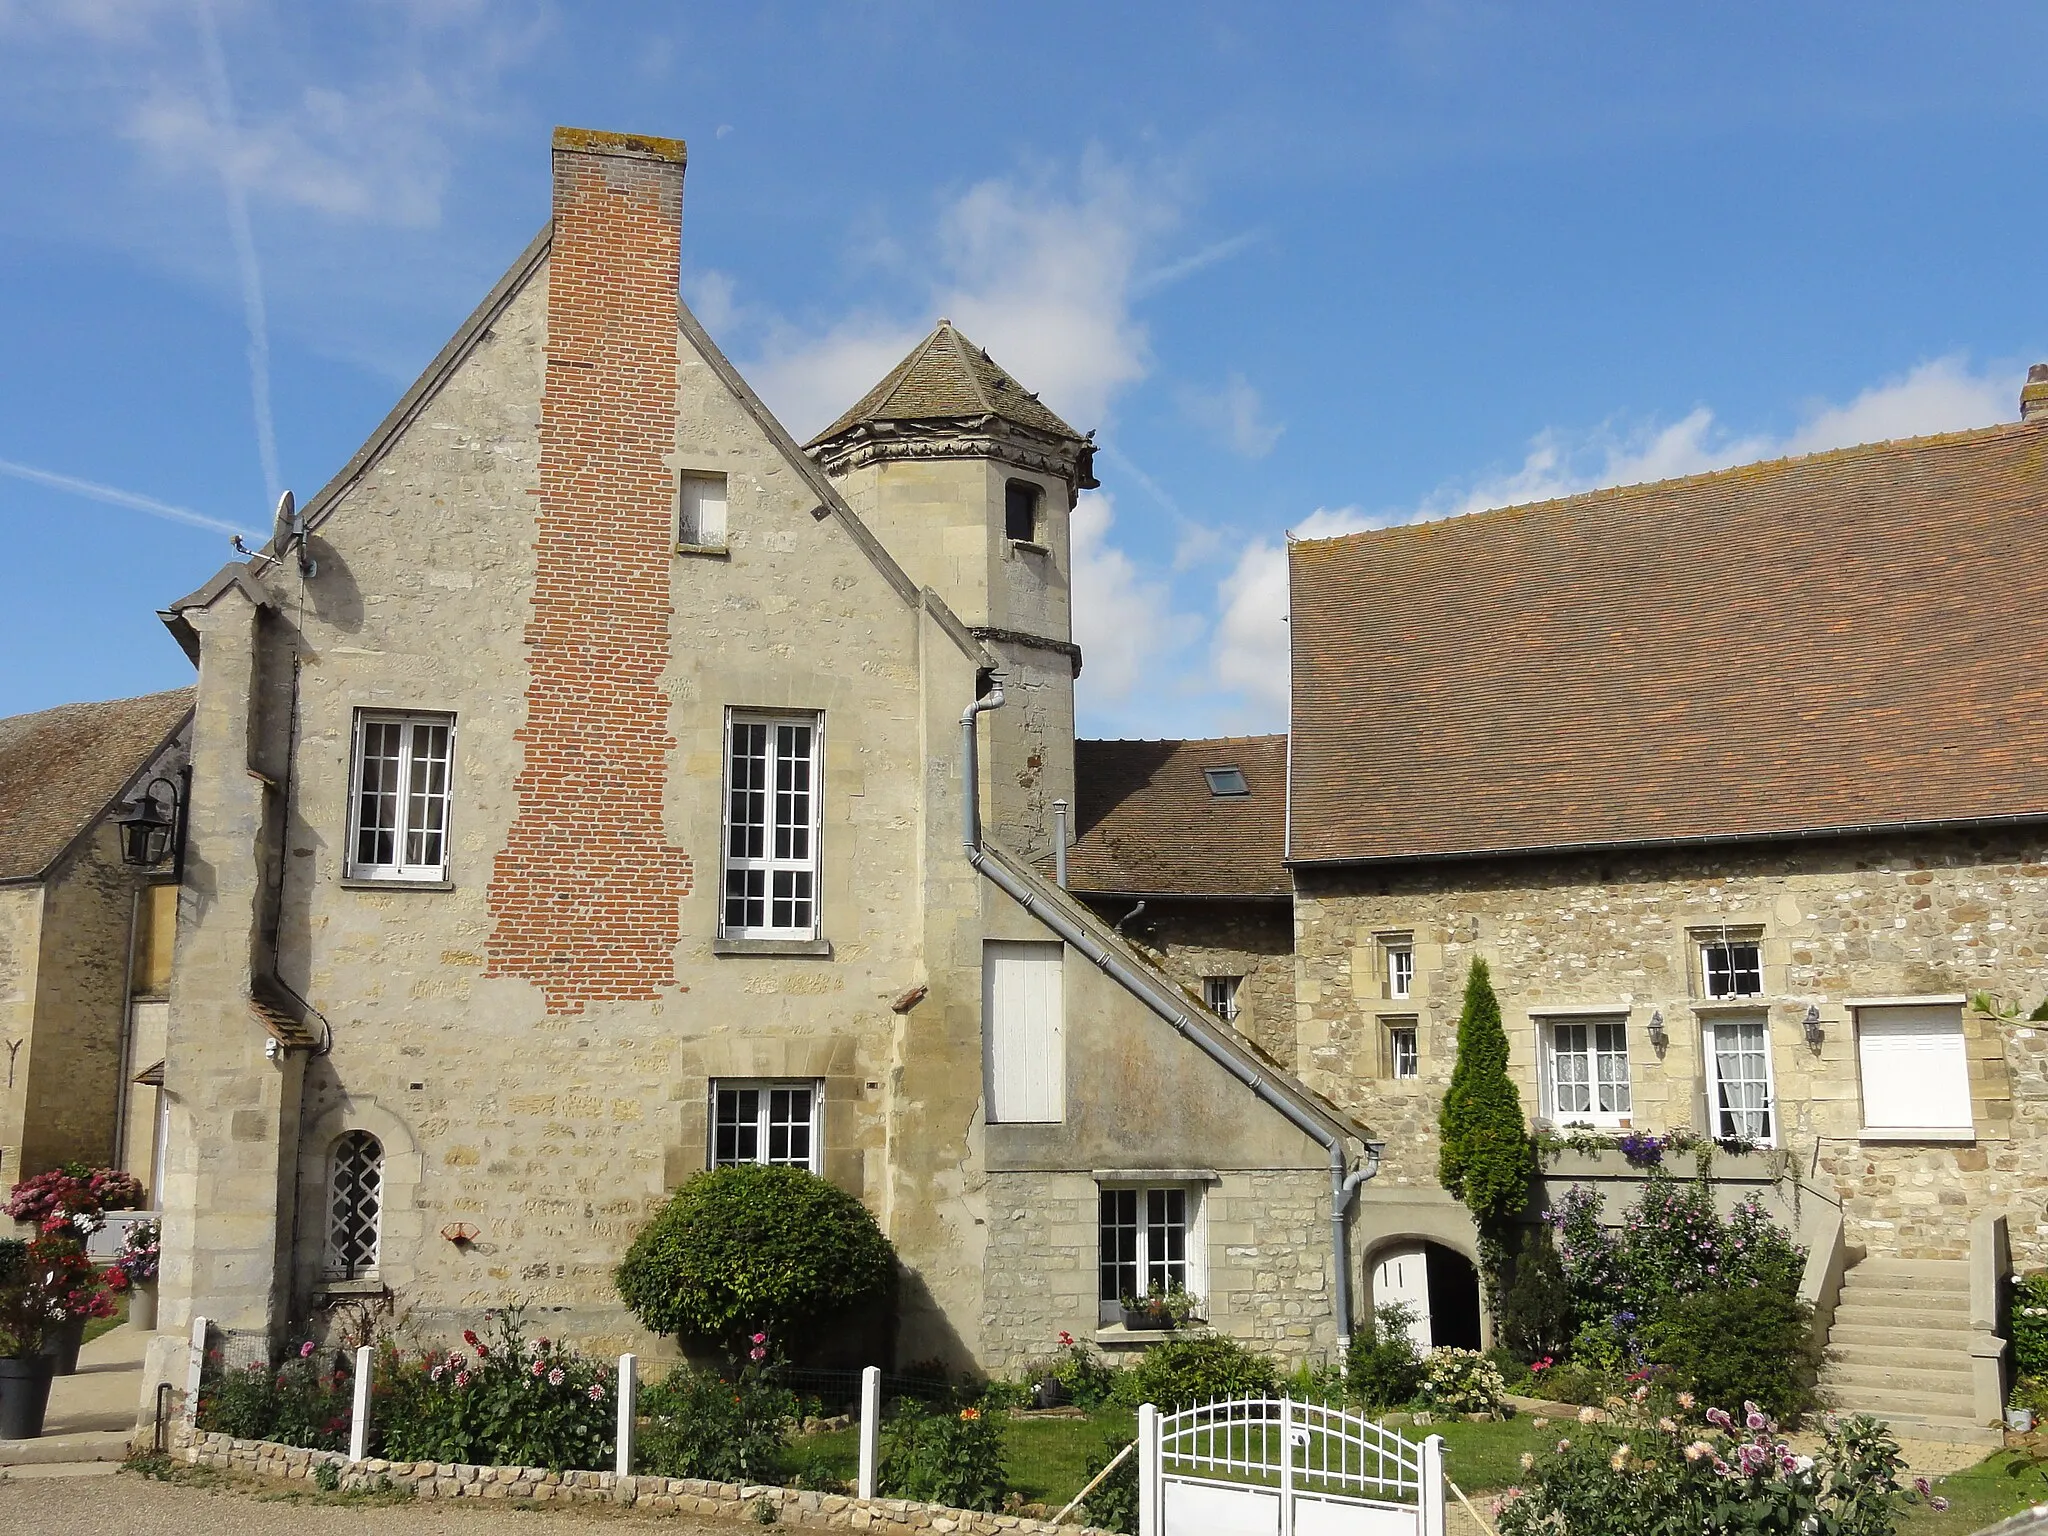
x,y
1344,1180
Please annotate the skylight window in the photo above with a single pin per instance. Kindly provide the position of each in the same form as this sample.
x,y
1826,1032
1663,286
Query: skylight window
x,y
1226,781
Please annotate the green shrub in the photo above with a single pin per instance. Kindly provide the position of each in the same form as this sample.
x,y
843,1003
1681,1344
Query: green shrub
x,y
1083,1377
1536,1318
1114,1505
1486,1159
297,1403
740,1250
1729,1346
510,1401
1198,1368
13,1258
731,1429
1383,1369
1462,1381
952,1458
2030,1325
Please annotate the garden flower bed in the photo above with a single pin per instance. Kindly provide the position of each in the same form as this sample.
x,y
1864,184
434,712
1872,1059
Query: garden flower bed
x,y
537,1485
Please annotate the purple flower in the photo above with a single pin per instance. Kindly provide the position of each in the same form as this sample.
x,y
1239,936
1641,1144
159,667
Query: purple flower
x,y
306,1350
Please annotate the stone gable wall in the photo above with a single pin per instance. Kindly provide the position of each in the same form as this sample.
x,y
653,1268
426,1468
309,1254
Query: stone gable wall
x,y
1255,940
1906,916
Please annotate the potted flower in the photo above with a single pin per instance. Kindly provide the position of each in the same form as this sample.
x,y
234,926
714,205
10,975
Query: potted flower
x,y
1161,1308
69,1288
25,1371
135,1272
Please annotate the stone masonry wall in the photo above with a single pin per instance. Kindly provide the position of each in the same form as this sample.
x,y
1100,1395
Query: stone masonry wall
x,y
21,918
586,893
1255,940
1266,1248
1900,917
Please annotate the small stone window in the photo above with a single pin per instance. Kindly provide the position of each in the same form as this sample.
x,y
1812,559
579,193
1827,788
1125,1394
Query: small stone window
x,y
1731,962
1020,511
1146,1238
1404,1049
1398,958
766,1122
355,1206
700,511
1220,993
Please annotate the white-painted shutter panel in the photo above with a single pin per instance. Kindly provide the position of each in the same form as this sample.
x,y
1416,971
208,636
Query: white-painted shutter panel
x,y
1023,1015
1402,1279
1915,1074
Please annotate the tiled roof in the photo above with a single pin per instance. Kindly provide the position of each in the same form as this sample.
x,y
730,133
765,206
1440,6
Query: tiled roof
x,y
62,767
1147,823
1857,638
946,377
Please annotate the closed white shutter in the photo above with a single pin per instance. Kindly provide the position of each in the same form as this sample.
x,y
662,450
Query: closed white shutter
x,y
1024,1020
1915,1073
1402,1279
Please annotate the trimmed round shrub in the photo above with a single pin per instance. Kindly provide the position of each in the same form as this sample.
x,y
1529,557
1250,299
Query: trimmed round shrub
x,y
1199,1368
740,1251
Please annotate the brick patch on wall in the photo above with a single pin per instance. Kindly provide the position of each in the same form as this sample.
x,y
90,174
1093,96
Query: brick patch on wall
x,y
586,894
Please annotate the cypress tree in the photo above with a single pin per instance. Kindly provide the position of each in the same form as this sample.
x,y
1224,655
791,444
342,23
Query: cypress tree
x,y
1486,1159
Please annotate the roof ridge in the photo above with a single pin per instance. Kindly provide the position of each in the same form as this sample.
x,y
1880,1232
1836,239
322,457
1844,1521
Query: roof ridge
x,y
1631,487
1177,741
965,361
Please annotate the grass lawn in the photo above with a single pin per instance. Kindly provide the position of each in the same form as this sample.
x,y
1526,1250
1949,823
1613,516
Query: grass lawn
x,y
1048,1459
102,1325
2003,1484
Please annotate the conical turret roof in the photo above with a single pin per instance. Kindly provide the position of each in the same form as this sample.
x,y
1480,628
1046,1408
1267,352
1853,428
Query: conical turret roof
x,y
946,377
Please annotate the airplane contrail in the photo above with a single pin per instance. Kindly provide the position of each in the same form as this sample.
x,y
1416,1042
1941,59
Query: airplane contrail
x,y
115,496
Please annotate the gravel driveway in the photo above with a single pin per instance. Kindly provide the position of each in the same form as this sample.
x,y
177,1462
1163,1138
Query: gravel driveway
x,y
128,1505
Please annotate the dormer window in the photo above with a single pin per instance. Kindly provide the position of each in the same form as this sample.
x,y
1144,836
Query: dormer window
x,y
1020,511
1226,781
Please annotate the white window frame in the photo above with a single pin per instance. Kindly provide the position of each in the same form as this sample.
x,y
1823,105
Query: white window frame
x,y
1705,943
335,1263
1594,1026
1396,1058
768,863
764,1121
1710,1052
1399,966
1193,1263
1221,994
411,806
694,528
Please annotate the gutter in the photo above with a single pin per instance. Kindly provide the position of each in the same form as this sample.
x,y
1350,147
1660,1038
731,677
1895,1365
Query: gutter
x,y
1170,1005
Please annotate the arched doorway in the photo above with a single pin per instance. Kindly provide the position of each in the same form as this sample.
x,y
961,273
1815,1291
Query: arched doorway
x,y
1438,1285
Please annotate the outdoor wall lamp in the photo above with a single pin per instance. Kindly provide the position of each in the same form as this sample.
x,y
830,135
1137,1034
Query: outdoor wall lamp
x,y
150,834
1814,1034
1659,1036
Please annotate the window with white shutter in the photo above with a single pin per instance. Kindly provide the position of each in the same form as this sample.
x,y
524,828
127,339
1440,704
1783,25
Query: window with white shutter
x,y
1024,1026
1916,1072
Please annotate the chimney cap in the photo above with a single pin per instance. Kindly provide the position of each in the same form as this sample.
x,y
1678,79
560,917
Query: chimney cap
x,y
625,146
2034,397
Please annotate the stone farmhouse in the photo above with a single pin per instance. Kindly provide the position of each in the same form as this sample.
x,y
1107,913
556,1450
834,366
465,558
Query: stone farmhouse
x,y
591,784
86,930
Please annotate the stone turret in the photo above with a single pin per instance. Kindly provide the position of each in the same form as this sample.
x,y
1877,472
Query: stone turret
x,y
970,481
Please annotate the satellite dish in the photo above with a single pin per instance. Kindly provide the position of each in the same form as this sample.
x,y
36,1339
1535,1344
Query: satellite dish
x,y
287,519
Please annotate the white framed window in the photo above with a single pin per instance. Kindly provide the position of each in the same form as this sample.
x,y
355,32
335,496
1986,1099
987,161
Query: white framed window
x,y
1400,966
1220,993
700,510
1915,1069
775,1123
1023,1010
1731,965
1586,1081
1741,1102
771,826
399,805
1146,1237
1404,1049
355,1206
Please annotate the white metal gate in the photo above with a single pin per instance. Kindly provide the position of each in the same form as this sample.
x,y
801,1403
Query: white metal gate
x,y
1275,1467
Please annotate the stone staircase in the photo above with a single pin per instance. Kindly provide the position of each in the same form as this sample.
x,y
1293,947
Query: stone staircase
x,y
1899,1349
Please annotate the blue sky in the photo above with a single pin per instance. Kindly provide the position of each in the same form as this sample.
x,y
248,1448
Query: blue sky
x,y
1310,269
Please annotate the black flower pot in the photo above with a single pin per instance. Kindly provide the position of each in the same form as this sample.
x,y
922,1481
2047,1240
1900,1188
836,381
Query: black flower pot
x,y
24,1395
62,1343
1147,1319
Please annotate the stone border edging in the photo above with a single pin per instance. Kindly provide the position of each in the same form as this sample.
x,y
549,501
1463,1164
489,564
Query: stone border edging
x,y
456,1480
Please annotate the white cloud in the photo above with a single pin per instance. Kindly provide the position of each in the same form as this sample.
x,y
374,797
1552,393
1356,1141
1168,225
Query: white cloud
x,y
1234,413
1123,621
1249,652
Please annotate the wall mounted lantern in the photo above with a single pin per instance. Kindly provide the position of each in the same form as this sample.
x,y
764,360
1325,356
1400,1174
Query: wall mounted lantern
x,y
1659,1036
150,834
1814,1034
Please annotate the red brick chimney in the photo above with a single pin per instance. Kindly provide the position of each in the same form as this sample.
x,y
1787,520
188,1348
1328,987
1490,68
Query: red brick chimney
x,y
587,892
2034,394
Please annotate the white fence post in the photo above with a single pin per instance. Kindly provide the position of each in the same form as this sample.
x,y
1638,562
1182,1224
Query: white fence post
x,y
629,1410
195,1369
359,1409
1149,1489
870,1427
1430,1497
1286,1466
